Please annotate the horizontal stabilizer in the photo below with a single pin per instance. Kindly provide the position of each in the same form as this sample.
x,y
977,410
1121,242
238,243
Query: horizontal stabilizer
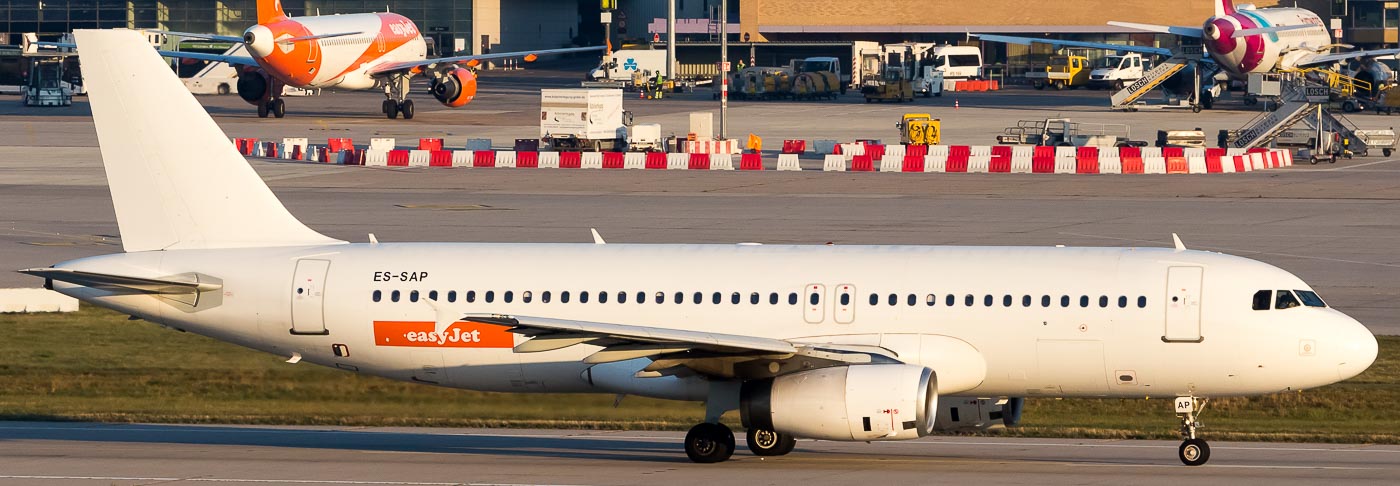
x,y
192,35
179,285
1267,30
291,40
1162,29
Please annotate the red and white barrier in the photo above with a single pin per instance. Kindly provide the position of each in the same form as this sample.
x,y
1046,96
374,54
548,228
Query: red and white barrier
x,y
937,159
788,162
834,163
634,160
505,158
712,146
385,144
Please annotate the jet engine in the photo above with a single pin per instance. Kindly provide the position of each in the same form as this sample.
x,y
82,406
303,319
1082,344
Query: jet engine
x,y
253,86
850,403
455,88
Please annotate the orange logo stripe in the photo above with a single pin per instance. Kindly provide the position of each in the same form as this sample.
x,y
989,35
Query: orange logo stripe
x,y
461,334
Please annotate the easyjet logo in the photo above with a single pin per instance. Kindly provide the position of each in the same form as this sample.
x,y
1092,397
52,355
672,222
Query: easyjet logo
x,y
405,28
461,334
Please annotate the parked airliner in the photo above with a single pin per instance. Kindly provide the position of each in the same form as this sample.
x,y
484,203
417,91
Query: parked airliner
x,y
347,52
832,342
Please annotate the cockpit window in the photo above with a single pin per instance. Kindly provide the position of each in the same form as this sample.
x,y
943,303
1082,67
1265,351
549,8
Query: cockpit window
x,y
1263,299
1310,298
1286,300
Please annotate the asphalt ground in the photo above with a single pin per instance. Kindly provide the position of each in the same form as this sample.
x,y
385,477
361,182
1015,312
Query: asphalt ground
x,y
41,453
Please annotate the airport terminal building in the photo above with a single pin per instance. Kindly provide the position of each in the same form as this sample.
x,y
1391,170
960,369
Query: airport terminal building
x,y
475,26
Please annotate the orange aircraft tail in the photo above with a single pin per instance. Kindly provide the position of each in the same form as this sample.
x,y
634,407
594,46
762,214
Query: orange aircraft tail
x,y
270,11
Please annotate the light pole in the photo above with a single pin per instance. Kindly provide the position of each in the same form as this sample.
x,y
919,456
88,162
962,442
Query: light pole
x,y
724,70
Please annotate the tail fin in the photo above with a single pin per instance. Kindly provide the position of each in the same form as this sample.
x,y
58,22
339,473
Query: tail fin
x,y
176,180
1222,7
271,11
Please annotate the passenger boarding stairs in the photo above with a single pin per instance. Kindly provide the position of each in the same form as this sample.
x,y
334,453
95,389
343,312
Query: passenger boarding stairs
x,y
1300,100
1129,95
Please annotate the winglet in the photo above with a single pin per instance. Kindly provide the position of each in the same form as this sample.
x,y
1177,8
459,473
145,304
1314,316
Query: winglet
x,y
1177,241
597,238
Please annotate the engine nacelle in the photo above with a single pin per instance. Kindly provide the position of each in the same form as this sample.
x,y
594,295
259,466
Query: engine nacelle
x,y
456,88
852,403
253,86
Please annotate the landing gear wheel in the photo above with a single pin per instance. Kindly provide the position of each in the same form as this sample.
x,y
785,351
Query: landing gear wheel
x,y
391,109
407,108
262,110
709,443
279,108
765,442
1194,452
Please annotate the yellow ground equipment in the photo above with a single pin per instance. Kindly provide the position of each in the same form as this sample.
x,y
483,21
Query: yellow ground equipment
x,y
1069,71
919,129
763,83
814,85
893,85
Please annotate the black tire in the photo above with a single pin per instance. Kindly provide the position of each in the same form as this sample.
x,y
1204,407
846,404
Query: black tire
x,y
1349,106
709,443
1059,85
390,109
1117,85
1038,85
1312,160
1193,452
1386,152
279,108
764,442
223,89
263,110
407,109
1195,108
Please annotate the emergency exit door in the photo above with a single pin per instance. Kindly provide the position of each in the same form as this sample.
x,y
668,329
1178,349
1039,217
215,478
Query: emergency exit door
x,y
1183,304
308,297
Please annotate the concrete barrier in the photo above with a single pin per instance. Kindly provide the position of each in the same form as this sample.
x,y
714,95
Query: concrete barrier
x,y
788,162
898,150
1064,160
1196,161
1021,158
937,159
834,163
1110,162
1154,163
418,158
549,160
634,160
721,162
35,300
377,158
505,158
591,160
892,163
385,144
461,158
677,161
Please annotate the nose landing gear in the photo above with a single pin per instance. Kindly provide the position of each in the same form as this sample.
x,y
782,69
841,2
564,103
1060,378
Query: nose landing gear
x,y
396,89
1193,451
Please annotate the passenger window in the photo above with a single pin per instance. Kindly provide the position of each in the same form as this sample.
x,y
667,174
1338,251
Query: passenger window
x,y
544,296
912,299
602,298
734,298
1006,301
815,298
1122,301
753,298
792,298
1262,299
969,300
378,294
715,297
525,296
642,297
661,297
1310,298
621,297
1045,301
413,296
452,296
894,299
1084,301
930,300
1286,300
874,299
845,298
772,298
432,295
1103,301
1064,301
490,296
564,297
471,296
1142,302
680,297
583,297
508,296
1025,301
394,296
697,297
987,301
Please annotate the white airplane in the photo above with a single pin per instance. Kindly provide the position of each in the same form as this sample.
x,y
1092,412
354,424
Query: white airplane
x,y
845,343
349,52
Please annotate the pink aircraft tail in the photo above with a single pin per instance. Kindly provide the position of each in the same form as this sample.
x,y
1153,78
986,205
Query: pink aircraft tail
x,y
1224,7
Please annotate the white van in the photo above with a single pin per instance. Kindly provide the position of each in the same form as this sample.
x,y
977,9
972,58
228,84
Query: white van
x,y
958,62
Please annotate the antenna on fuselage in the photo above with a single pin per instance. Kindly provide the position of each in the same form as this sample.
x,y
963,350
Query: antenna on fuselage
x,y
1177,241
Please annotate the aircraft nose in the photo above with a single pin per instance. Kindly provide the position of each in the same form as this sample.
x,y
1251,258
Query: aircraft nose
x,y
1359,348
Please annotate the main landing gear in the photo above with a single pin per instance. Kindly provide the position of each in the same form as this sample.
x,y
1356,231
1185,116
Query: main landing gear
x,y
765,442
396,89
274,106
709,443
1193,451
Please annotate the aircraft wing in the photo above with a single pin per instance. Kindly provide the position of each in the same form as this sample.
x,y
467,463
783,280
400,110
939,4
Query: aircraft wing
x,y
1342,56
1058,43
712,354
234,60
528,55
1162,29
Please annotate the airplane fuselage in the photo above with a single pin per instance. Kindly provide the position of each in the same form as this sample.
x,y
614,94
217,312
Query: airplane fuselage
x,y
992,321
1264,52
342,62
